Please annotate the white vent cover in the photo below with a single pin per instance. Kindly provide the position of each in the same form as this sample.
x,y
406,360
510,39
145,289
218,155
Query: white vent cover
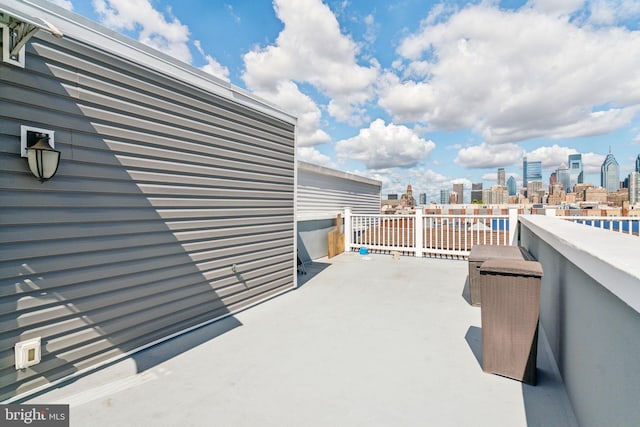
x,y
28,353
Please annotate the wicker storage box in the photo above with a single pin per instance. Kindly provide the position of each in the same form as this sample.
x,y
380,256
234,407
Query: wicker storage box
x,y
481,253
510,311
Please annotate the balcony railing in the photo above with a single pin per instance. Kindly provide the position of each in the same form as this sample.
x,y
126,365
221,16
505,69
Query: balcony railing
x,y
621,224
450,235
423,234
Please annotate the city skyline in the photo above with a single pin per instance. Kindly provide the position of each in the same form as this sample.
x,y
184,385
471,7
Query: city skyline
x,y
432,93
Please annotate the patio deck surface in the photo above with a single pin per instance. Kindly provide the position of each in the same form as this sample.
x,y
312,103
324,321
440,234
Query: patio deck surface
x,y
365,341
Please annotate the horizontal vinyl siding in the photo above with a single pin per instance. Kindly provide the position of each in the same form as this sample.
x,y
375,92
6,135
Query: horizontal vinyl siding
x,y
327,194
161,189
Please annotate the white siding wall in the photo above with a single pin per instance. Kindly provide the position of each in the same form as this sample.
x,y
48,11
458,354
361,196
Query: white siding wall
x,y
323,192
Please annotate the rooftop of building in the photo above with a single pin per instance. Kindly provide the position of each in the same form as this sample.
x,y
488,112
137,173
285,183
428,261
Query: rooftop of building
x,y
364,340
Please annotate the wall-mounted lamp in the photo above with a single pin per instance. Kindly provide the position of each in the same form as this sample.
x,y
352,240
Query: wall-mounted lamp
x,y
37,145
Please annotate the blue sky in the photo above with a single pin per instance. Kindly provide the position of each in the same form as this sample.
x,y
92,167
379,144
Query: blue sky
x,y
419,92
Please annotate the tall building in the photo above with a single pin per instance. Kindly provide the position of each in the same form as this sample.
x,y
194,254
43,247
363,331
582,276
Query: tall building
x,y
564,177
496,195
575,171
459,190
511,186
531,172
392,196
501,177
423,198
638,163
444,196
534,187
634,187
610,174
476,192
407,199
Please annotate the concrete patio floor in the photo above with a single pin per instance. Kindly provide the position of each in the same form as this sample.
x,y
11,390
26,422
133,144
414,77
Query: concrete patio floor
x,y
365,341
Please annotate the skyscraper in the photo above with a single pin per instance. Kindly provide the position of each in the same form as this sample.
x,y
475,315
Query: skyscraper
x,y
534,172
423,198
610,174
531,171
634,187
564,177
459,190
476,192
638,163
444,196
501,177
575,171
511,186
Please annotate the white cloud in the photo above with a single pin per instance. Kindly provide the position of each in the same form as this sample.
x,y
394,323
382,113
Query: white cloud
x,y
385,146
63,3
312,49
516,75
556,7
489,156
491,176
167,35
311,155
287,95
609,12
212,66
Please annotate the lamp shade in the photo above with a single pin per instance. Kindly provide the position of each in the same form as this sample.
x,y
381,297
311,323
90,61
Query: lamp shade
x,y
43,160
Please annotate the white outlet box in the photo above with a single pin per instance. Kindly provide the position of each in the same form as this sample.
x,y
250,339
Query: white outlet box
x,y
28,353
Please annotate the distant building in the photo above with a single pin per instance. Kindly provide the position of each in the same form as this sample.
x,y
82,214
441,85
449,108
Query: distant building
x,y
634,187
597,195
392,196
533,187
511,186
575,170
501,177
453,198
638,163
564,177
610,174
618,198
580,191
531,172
445,196
496,195
407,200
459,190
423,198
476,192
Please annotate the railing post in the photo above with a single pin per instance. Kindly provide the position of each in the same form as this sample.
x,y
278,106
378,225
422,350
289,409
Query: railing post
x,y
513,226
348,234
417,233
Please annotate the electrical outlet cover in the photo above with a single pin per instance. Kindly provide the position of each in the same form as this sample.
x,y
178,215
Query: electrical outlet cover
x,y
28,353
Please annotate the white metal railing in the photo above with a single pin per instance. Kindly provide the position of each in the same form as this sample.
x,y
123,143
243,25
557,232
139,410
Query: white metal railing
x,y
621,224
428,234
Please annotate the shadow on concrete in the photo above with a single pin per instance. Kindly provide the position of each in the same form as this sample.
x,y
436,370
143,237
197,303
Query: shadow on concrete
x,y
474,340
166,350
547,403
466,291
312,269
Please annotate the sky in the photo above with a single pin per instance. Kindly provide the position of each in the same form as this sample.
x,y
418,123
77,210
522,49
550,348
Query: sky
x,y
427,93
